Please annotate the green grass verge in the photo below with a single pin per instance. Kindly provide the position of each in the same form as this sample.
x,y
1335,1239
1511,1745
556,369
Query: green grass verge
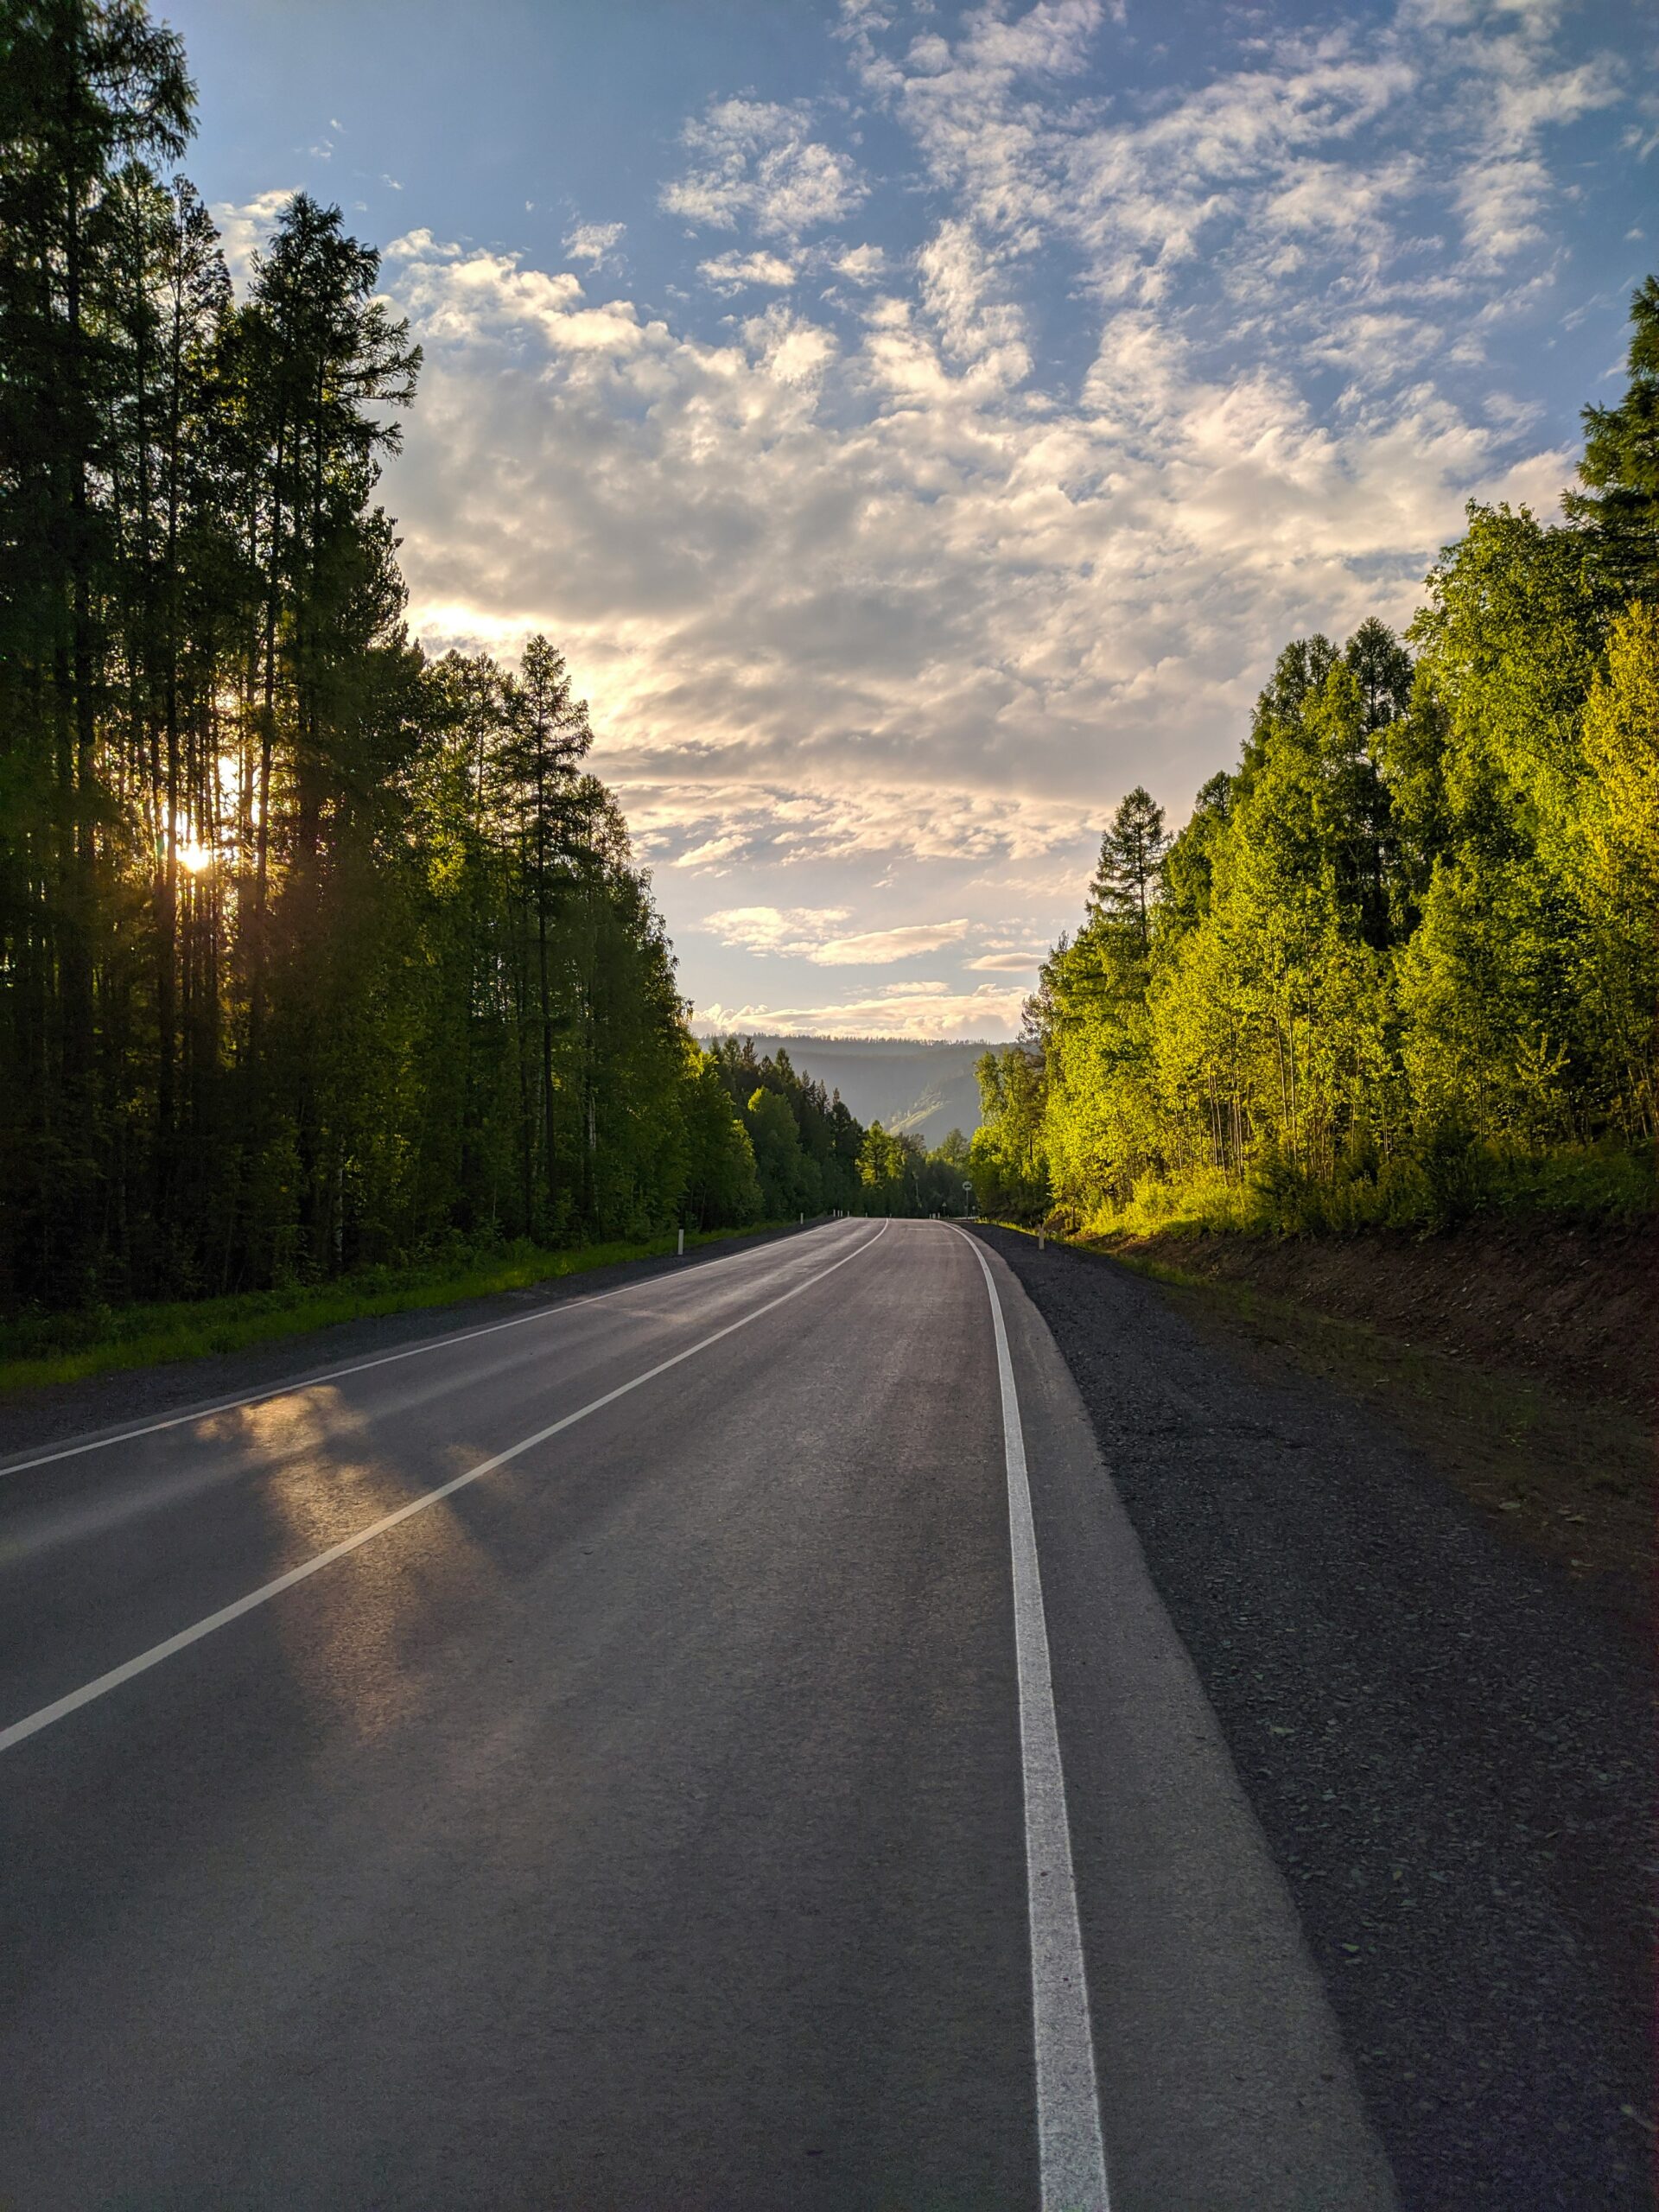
x,y
38,1349
1436,1187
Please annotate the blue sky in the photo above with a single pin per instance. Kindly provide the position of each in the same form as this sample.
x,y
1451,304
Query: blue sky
x,y
920,422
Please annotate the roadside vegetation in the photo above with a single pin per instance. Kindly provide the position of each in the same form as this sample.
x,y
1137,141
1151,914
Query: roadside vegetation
x,y
44,1348
1400,966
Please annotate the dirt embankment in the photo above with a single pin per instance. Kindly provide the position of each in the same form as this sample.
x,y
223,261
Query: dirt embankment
x,y
1576,1306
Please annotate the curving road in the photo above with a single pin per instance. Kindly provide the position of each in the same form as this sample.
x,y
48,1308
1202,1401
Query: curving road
x,y
611,1758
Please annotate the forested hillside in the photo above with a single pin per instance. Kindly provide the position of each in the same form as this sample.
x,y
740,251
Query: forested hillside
x,y
811,1156
912,1086
1400,963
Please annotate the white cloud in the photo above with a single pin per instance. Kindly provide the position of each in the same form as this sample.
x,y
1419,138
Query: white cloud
x,y
813,933
775,929
246,230
733,272
861,264
919,1010
754,160
958,291
831,602
594,242
1009,963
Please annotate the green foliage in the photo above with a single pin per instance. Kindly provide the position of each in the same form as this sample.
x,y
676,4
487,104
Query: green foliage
x,y
315,957
1619,503
1132,851
1005,1159
1400,966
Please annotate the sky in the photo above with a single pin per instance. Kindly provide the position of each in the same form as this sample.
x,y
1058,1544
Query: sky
x,y
919,424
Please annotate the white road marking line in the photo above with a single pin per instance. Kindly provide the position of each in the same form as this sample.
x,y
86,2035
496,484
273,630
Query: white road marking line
x,y
61,1708
1071,2156
362,1366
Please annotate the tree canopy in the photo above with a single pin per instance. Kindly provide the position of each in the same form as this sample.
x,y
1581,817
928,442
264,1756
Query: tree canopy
x,y
1412,935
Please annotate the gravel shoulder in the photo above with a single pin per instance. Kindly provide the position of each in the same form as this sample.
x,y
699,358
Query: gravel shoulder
x,y
1447,1745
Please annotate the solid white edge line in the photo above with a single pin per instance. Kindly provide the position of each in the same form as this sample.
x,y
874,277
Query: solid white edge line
x,y
61,1708
296,1384
1072,2155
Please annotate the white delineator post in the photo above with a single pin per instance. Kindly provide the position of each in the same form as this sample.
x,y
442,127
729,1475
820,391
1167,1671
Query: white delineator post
x,y
679,1250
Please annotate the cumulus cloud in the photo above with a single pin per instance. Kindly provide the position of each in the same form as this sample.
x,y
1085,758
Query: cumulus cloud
x,y
754,160
861,264
775,929
834,601
1007,963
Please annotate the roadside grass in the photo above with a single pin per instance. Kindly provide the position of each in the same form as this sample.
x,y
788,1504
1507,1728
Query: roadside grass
x,y
1434,1187
37,1350
1571,1481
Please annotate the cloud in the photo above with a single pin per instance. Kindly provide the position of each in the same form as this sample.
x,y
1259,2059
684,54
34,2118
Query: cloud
x,y
920,1010
1009,963
754,160
594,242
959,293
861,264
731,272
775,929
467,298
832,599
811,933
246,229
899,575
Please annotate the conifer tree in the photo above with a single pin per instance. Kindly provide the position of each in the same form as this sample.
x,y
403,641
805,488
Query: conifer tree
x,y
1124,885
1620,468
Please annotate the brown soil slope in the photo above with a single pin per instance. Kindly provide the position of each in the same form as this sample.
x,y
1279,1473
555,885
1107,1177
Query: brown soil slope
x,y
1573,1304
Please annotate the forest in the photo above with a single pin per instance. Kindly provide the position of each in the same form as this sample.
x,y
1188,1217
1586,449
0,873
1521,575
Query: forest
x,y
316,954
1398,966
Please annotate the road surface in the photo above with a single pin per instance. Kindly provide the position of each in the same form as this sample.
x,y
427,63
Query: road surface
x,y
613,1758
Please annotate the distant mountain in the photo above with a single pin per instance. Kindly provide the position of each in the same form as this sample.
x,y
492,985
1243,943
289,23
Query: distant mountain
x,y
927,1089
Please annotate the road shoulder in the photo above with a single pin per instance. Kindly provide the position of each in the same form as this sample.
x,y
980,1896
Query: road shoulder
x,y
1222,2075
1447,1747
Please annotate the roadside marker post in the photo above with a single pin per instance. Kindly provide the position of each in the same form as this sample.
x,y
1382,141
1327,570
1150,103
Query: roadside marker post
x,y
679,1250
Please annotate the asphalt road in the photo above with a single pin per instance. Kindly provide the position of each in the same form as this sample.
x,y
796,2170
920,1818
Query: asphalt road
x,y
609,1760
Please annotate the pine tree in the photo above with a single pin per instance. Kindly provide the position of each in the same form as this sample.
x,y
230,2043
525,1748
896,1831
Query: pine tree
x,y
1620,467
1124,884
